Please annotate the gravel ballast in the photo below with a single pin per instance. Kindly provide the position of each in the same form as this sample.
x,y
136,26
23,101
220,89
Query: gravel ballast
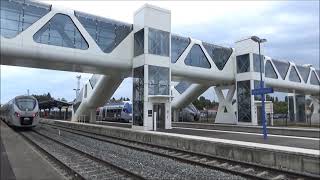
x,y
149,165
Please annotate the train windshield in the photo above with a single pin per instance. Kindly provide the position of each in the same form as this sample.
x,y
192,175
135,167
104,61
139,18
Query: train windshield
x,y
26,104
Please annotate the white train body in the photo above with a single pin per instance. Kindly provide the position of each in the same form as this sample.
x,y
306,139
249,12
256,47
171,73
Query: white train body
x,y
21,111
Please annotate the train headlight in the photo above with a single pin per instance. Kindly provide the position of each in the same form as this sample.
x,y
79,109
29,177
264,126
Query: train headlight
x,y
17,114
35,114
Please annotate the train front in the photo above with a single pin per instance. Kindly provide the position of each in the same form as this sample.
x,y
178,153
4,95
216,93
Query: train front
x,y
26,111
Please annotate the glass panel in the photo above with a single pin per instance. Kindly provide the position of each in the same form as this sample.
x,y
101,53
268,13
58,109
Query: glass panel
x,y
159,83
61,31
182,86
282,67
269,71
138,92
318,72
243,63
313,79
178,46
139,42
304,72
107,33
78,101
158,42
94,79
300,104
25,103
197,58
17,16
257,86
244,101
293,76
256,63
218,54
85,91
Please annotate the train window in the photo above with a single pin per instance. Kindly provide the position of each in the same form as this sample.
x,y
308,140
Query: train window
x,y
25,103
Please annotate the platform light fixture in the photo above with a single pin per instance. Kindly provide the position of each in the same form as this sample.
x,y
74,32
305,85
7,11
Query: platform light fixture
x,y
263,112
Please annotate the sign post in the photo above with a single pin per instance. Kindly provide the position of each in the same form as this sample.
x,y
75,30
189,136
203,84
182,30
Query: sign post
x,y
262,92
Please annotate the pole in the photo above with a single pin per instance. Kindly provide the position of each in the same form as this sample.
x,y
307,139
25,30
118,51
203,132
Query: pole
x,y
263,113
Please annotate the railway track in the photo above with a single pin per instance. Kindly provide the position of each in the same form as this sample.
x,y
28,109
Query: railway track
x,y
80,165
247,170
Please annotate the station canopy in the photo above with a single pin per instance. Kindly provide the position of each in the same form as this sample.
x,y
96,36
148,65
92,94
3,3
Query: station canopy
x,y
53,103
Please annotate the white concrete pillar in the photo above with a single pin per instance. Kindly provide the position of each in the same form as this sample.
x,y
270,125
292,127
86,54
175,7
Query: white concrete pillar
x,y
175,115
247,72
152,31
92,116
315,117
226,113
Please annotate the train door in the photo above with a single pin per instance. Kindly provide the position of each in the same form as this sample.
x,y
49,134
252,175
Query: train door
x,y
159,109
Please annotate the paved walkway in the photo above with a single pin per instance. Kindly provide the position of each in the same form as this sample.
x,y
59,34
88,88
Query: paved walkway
x,y
20,161
299,142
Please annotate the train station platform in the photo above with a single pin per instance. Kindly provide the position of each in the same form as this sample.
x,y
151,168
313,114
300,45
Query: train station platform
x,y
286,131
302,159
291,137
19,160
281,140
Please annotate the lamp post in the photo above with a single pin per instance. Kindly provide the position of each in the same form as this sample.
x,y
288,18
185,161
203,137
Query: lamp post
x,y
263,113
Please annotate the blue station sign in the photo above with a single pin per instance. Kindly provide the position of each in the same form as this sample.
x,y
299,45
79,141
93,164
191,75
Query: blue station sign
x,y
260,91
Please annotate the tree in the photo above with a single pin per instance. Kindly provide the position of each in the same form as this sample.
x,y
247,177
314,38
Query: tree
x,y
63,99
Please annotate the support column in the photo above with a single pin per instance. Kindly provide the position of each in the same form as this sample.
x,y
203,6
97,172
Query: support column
x,y
247,75
226,113
92,115
175,115
151,68
315,117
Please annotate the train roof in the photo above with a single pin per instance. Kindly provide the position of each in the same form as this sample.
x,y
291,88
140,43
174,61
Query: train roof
x,y
24,96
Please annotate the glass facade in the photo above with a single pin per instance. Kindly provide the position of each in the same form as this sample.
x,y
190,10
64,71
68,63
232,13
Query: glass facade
x,y
139,42
244,101
318,72
16,16
304,72
218,54
256,63
138,93
293,76
269,71
158,42
243,63
159,81
178,46
257,86
314,80
94,79
182,86
61,31
197,58
282,67
78,101
108,34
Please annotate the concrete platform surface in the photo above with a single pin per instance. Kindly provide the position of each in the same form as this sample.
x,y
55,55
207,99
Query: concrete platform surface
x,y
290,141
24,161
286,131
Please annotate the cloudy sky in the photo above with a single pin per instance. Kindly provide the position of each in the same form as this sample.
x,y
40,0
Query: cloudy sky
x,y
292,30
